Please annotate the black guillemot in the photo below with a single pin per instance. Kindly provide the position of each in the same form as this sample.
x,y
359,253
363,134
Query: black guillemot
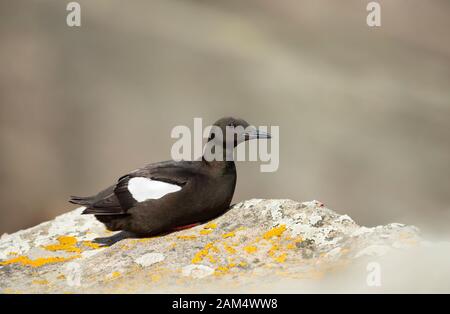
x,y
171,195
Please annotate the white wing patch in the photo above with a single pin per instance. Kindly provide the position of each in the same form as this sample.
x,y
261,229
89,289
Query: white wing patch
x,y
143,189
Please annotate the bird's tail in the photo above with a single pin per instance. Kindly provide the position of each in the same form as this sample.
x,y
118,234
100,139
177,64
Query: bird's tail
x,y
85,201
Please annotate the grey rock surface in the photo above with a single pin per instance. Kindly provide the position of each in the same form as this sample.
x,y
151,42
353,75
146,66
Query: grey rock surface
x,y
257,246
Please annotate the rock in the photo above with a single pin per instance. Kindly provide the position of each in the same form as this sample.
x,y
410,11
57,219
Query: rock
x,y
256,246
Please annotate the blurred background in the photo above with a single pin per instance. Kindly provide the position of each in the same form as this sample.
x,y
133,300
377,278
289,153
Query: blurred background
x,y
363,112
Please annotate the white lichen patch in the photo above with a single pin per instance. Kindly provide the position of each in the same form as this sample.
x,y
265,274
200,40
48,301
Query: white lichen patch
x,y
314,219
149,259
75,224
13,244
197,271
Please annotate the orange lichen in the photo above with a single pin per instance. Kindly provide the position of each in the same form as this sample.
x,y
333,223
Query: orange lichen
x,y
26,261
65,243
205,231
250,249
228,235
275,232
281,258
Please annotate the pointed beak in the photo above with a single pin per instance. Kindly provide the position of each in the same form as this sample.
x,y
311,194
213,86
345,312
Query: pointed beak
x,y
256,134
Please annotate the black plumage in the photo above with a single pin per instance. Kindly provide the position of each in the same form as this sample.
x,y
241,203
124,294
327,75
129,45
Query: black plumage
x,y
202,190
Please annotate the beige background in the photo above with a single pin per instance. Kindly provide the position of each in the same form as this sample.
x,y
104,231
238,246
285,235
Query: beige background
x,y
363,113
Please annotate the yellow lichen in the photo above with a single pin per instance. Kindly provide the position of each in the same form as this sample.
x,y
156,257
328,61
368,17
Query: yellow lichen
x,y
143,240
65,243
228,235
208,228
275,232
211,225
198,257
290,246
281,258
10,291
115,275
221,270
229,249
26,261
124,246
212,247
250,249
91,245
187,237
40,282
273,249
155,277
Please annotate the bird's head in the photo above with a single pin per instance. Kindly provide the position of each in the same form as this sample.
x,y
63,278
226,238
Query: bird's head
x,y
233,131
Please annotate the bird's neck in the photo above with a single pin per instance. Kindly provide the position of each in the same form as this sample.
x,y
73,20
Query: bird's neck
x,y
213,152
221,160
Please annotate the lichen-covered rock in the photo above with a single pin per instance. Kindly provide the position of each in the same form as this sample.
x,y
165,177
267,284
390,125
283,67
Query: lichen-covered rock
x,y
256,245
